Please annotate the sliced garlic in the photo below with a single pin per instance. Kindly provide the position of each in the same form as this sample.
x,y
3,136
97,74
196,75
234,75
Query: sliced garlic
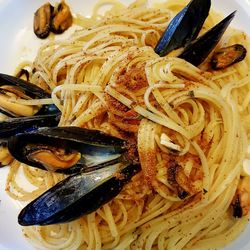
x,y
166,141
246,163
246,167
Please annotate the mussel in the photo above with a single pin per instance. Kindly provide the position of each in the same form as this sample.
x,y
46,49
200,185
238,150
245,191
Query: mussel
x,y
20,117
99,166
228,56
198,50
48,18
13,126
13,89
66,149
62,18
42,20
77,195
184,27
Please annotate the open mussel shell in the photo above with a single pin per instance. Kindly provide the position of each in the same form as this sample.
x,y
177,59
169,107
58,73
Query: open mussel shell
x,y
10,85
198,50
66,149
30,89
227,56
184,27
15,126
77,195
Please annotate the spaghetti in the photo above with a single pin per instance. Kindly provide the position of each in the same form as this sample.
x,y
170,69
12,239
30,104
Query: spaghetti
x,y
191,126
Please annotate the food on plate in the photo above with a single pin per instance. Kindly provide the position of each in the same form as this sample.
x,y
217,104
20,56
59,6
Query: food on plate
x,y
184,27
42,20
62,18
151,139
227,56
16,95
196,53
241,203
48,18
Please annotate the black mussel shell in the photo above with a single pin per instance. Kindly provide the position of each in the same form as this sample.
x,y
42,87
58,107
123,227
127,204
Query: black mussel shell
x,y
184,27
88,136
227,56
14,126
50,109
77,195
199,49
95,147
29,89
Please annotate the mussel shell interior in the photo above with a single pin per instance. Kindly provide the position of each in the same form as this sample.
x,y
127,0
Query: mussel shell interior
x,y
227,56
69,139
52,158
29,89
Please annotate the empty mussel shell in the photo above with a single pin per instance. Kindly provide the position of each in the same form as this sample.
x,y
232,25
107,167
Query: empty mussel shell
x,y
77,195
197,51
184,27
227,56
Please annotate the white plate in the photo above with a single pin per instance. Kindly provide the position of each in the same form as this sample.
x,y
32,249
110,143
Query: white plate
x,y
17,43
